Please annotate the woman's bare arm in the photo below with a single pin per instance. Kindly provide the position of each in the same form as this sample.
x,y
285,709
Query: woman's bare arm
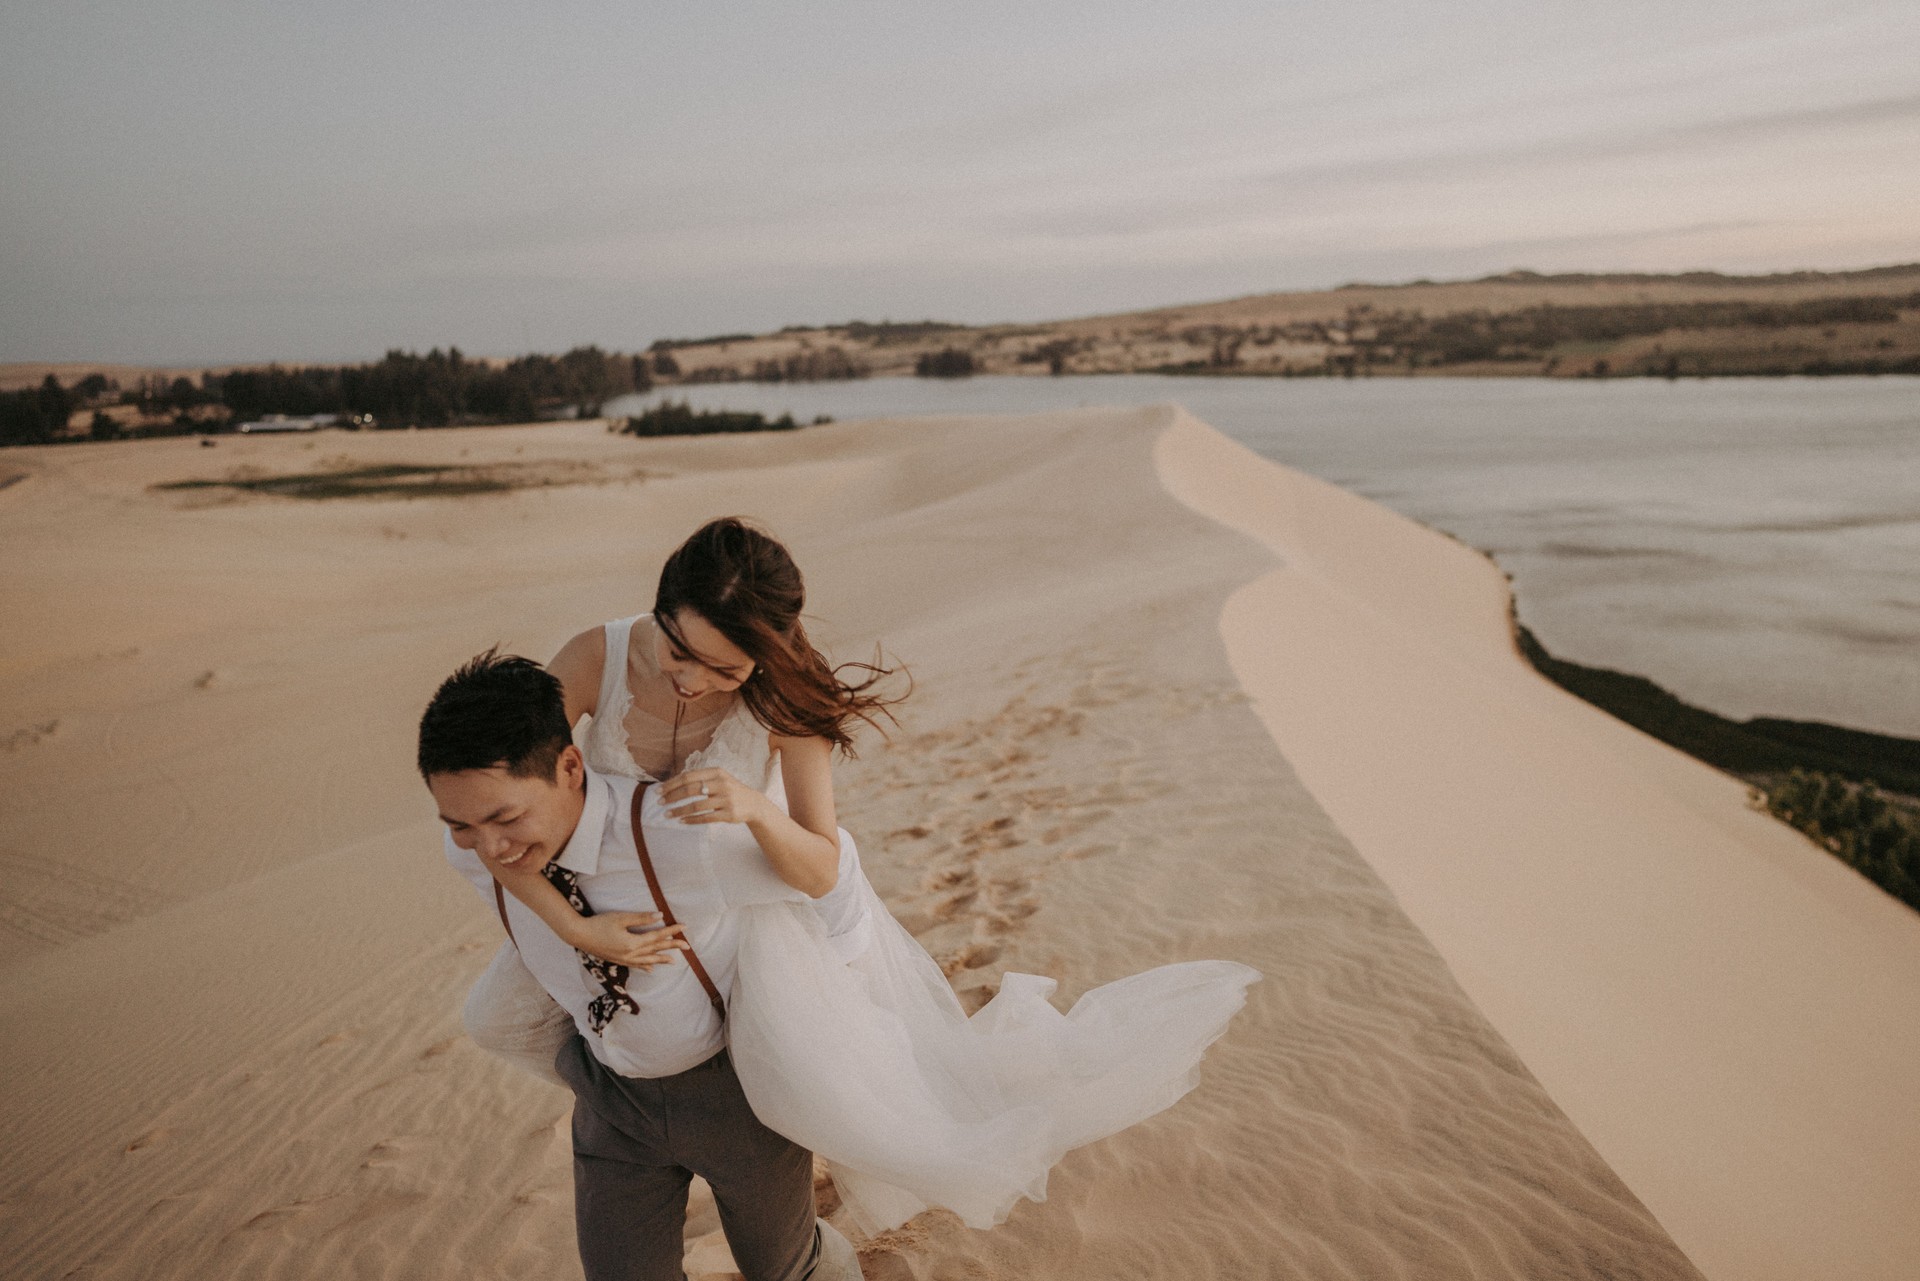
x,y
629,938
578,668
803,845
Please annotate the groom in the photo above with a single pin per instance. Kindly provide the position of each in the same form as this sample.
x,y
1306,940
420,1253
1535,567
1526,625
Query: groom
x,y
656,1100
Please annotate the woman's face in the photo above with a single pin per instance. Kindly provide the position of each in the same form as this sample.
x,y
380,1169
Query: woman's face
x,y
715,664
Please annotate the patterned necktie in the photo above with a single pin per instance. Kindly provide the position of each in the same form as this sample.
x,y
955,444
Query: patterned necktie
x,y
611,976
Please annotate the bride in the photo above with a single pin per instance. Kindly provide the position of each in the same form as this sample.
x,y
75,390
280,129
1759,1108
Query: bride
x,y
845,1034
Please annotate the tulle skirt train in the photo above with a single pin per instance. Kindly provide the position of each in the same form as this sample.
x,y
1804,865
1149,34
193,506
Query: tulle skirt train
x,y
874,1064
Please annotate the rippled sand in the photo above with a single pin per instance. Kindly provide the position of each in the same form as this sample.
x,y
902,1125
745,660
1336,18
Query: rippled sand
x,y
231,956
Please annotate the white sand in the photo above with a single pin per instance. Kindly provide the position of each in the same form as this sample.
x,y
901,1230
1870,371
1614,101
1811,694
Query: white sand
x,y
231,958
1731,1015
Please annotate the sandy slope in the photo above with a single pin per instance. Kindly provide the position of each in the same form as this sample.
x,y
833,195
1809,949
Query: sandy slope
x,y
1729,1013
233,957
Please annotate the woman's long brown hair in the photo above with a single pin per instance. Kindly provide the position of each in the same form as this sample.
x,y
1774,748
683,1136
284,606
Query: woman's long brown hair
x,y
739,578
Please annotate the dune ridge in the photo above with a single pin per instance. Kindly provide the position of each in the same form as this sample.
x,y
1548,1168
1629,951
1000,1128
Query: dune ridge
x,y
253,1065
1727,1011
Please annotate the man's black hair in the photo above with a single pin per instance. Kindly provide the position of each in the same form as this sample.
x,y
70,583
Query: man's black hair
x,y
498,709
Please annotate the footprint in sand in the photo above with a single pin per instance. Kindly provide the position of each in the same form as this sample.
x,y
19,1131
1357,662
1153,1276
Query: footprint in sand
x,y
979,956
948,908
29,736
279,1214
947,878
389,1152
978,878
148,1139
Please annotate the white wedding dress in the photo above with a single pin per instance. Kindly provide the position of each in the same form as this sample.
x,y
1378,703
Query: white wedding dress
x,y
852,1044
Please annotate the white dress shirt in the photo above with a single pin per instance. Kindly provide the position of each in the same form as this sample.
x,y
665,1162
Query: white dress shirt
x,y
708,872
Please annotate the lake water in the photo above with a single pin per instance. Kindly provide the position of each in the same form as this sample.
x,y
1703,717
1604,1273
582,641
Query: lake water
x,y
1751,544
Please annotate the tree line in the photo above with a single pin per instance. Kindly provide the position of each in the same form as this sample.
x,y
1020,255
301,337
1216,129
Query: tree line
x,y
1532,332
439,389
1855,822
402,389
1376,337
35,415
669,418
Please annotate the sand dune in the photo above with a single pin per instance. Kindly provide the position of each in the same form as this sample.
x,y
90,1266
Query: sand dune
x,y
232,957
1728,1012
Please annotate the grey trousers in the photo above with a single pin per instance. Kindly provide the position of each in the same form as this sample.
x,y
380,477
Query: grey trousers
x,y
638,1142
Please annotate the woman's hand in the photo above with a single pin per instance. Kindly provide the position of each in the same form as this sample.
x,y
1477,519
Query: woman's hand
x,y
633,939
713,796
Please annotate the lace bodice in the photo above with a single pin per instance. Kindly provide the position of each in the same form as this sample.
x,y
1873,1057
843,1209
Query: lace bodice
x,y
739,743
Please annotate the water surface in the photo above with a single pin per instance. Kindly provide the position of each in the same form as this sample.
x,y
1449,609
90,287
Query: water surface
x,y
1751,544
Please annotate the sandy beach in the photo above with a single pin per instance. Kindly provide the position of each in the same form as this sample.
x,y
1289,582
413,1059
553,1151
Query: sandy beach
x,y
1543,997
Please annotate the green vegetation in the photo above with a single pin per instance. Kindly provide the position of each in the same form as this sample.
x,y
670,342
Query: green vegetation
x,y
1711,278
1876,835
670,419
668,344
825,364
1534,333
1853,334
35,415
1856,793
948,362
439,389
889,334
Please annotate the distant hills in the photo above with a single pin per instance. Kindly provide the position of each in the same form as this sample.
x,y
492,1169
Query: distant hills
x,y
1515,323
1520,322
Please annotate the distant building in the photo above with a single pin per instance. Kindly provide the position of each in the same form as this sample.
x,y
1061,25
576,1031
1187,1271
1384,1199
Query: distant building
x,y
285,422
310,422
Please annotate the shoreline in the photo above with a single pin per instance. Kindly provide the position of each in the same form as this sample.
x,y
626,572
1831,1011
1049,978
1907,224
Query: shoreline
x,y
1712,999
1753,750
1490,372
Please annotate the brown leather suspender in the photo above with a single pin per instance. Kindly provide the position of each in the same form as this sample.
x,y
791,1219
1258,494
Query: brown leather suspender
x,y
500,902
666,913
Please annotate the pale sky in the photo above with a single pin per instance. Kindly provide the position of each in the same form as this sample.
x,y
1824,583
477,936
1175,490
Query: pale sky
x,y
204,181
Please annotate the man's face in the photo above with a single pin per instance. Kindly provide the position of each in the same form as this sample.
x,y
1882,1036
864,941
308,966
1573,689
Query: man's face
x,y
509,821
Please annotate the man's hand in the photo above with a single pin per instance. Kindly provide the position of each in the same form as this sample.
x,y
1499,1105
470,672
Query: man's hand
x,y
633,939
712,796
